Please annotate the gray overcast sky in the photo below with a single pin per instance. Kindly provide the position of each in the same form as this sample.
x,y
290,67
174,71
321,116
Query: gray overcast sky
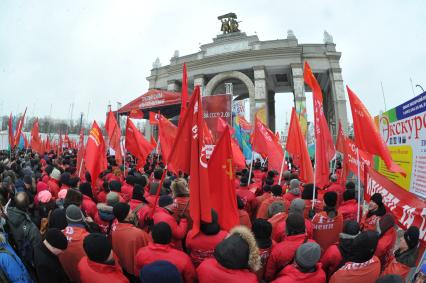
x,y
63,52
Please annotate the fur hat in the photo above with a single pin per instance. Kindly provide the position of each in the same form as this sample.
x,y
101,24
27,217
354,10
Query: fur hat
x,y
330,199
363,247
56,239
277,190
295,224
56,174
97,247
161,233
211,228
307,255
411,236
350,230
239,250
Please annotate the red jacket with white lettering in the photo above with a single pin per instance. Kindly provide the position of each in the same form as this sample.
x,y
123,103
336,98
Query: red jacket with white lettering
x,y
283,253
349,209
75,252
126,241
154,252
210,271
351,272
291,274
202,246
384,250
91,271
178,230
326,229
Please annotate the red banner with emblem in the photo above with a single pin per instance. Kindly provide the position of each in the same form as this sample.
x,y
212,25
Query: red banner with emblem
x,y
407,208
215,107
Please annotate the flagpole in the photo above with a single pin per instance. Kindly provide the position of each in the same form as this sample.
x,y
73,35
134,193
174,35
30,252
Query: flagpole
x,y
282,169
251,166
359,186
315,174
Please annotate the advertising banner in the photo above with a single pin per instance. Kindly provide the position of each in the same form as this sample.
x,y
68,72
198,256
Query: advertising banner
x,y
215,107
403,129
406,207
239,107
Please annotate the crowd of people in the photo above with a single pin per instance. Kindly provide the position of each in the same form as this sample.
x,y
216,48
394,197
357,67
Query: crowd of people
x,y
57,227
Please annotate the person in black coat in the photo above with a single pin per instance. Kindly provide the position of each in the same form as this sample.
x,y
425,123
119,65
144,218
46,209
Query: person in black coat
x,y
46,261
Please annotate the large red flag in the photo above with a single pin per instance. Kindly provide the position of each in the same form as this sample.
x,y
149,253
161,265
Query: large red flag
x,y
208,136
166,135
221,177
36,142
47,147
341,139
113,131
184,94
136,143
136,114
324,145
10,128
154,118
19,129
267,144
80,155
238,156
296,147
95,157
153,142
367,137
190,157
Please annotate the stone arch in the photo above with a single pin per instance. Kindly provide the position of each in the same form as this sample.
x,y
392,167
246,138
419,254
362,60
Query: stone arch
x,y
211,85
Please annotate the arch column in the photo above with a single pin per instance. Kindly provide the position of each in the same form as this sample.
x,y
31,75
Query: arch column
x,y
261,95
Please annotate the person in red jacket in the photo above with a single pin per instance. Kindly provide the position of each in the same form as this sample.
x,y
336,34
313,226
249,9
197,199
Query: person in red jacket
x,y
75,233
387,239
247,196
126,238
162,250
88,205
244,217
163,214
336,254
294,190
305,268
361,265
99,264
283,253
307,193
349,207
297,206
328,223
53,182
262,231
236,259
202,245
335,186
128,186
105,217
138,200
277,192
180,198
405,257
277,217
376,210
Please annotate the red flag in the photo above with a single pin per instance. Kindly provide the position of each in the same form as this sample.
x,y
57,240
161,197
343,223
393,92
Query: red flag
x,y
184,95
296,147
266,144
19,129
36,142
80,155
166,135
324,146
113,131
11,137
153,142
154,118
367,137
47,146
95,157
221,125
341,139
239,159
67,140
221,177
136,143
190,157
135,114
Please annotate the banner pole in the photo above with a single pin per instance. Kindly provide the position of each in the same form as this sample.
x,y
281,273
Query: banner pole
x,y
315,174
359,186
282,168
251,167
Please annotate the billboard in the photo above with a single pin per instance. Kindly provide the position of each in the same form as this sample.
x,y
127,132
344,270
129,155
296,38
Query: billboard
x,y
215,107
403,129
